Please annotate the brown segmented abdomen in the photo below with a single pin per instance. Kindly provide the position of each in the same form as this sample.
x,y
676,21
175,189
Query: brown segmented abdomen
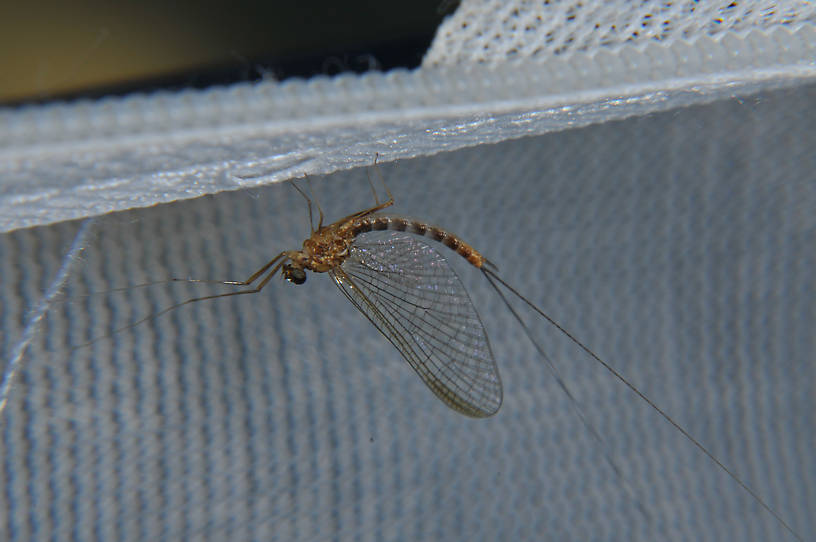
x,y
397,223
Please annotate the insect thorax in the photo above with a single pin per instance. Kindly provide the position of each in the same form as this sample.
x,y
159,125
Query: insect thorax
x,y
326,250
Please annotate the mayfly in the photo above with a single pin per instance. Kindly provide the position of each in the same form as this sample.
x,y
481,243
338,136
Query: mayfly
x,y
411,293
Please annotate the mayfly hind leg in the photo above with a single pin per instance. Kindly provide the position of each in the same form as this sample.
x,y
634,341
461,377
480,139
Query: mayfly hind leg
x,y
309,205
390,200
378,207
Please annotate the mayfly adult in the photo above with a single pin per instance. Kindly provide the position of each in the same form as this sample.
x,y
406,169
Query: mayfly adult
x,y
405,288
411,293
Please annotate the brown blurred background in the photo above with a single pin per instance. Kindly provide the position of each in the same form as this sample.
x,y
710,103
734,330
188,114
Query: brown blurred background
x,y
65,50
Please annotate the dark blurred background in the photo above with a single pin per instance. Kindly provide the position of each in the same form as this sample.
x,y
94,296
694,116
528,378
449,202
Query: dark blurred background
x,y
65,50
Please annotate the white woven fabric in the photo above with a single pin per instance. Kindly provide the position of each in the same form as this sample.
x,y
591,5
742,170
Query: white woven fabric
x,y
679,246
496,31
67,161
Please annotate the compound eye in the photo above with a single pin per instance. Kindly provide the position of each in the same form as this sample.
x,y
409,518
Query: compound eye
x,y
294,274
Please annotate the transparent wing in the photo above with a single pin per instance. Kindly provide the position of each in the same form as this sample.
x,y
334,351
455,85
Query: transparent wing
x,y
413,296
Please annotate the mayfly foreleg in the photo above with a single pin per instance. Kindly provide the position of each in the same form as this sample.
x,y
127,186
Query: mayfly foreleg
x,y
277,262
248,282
